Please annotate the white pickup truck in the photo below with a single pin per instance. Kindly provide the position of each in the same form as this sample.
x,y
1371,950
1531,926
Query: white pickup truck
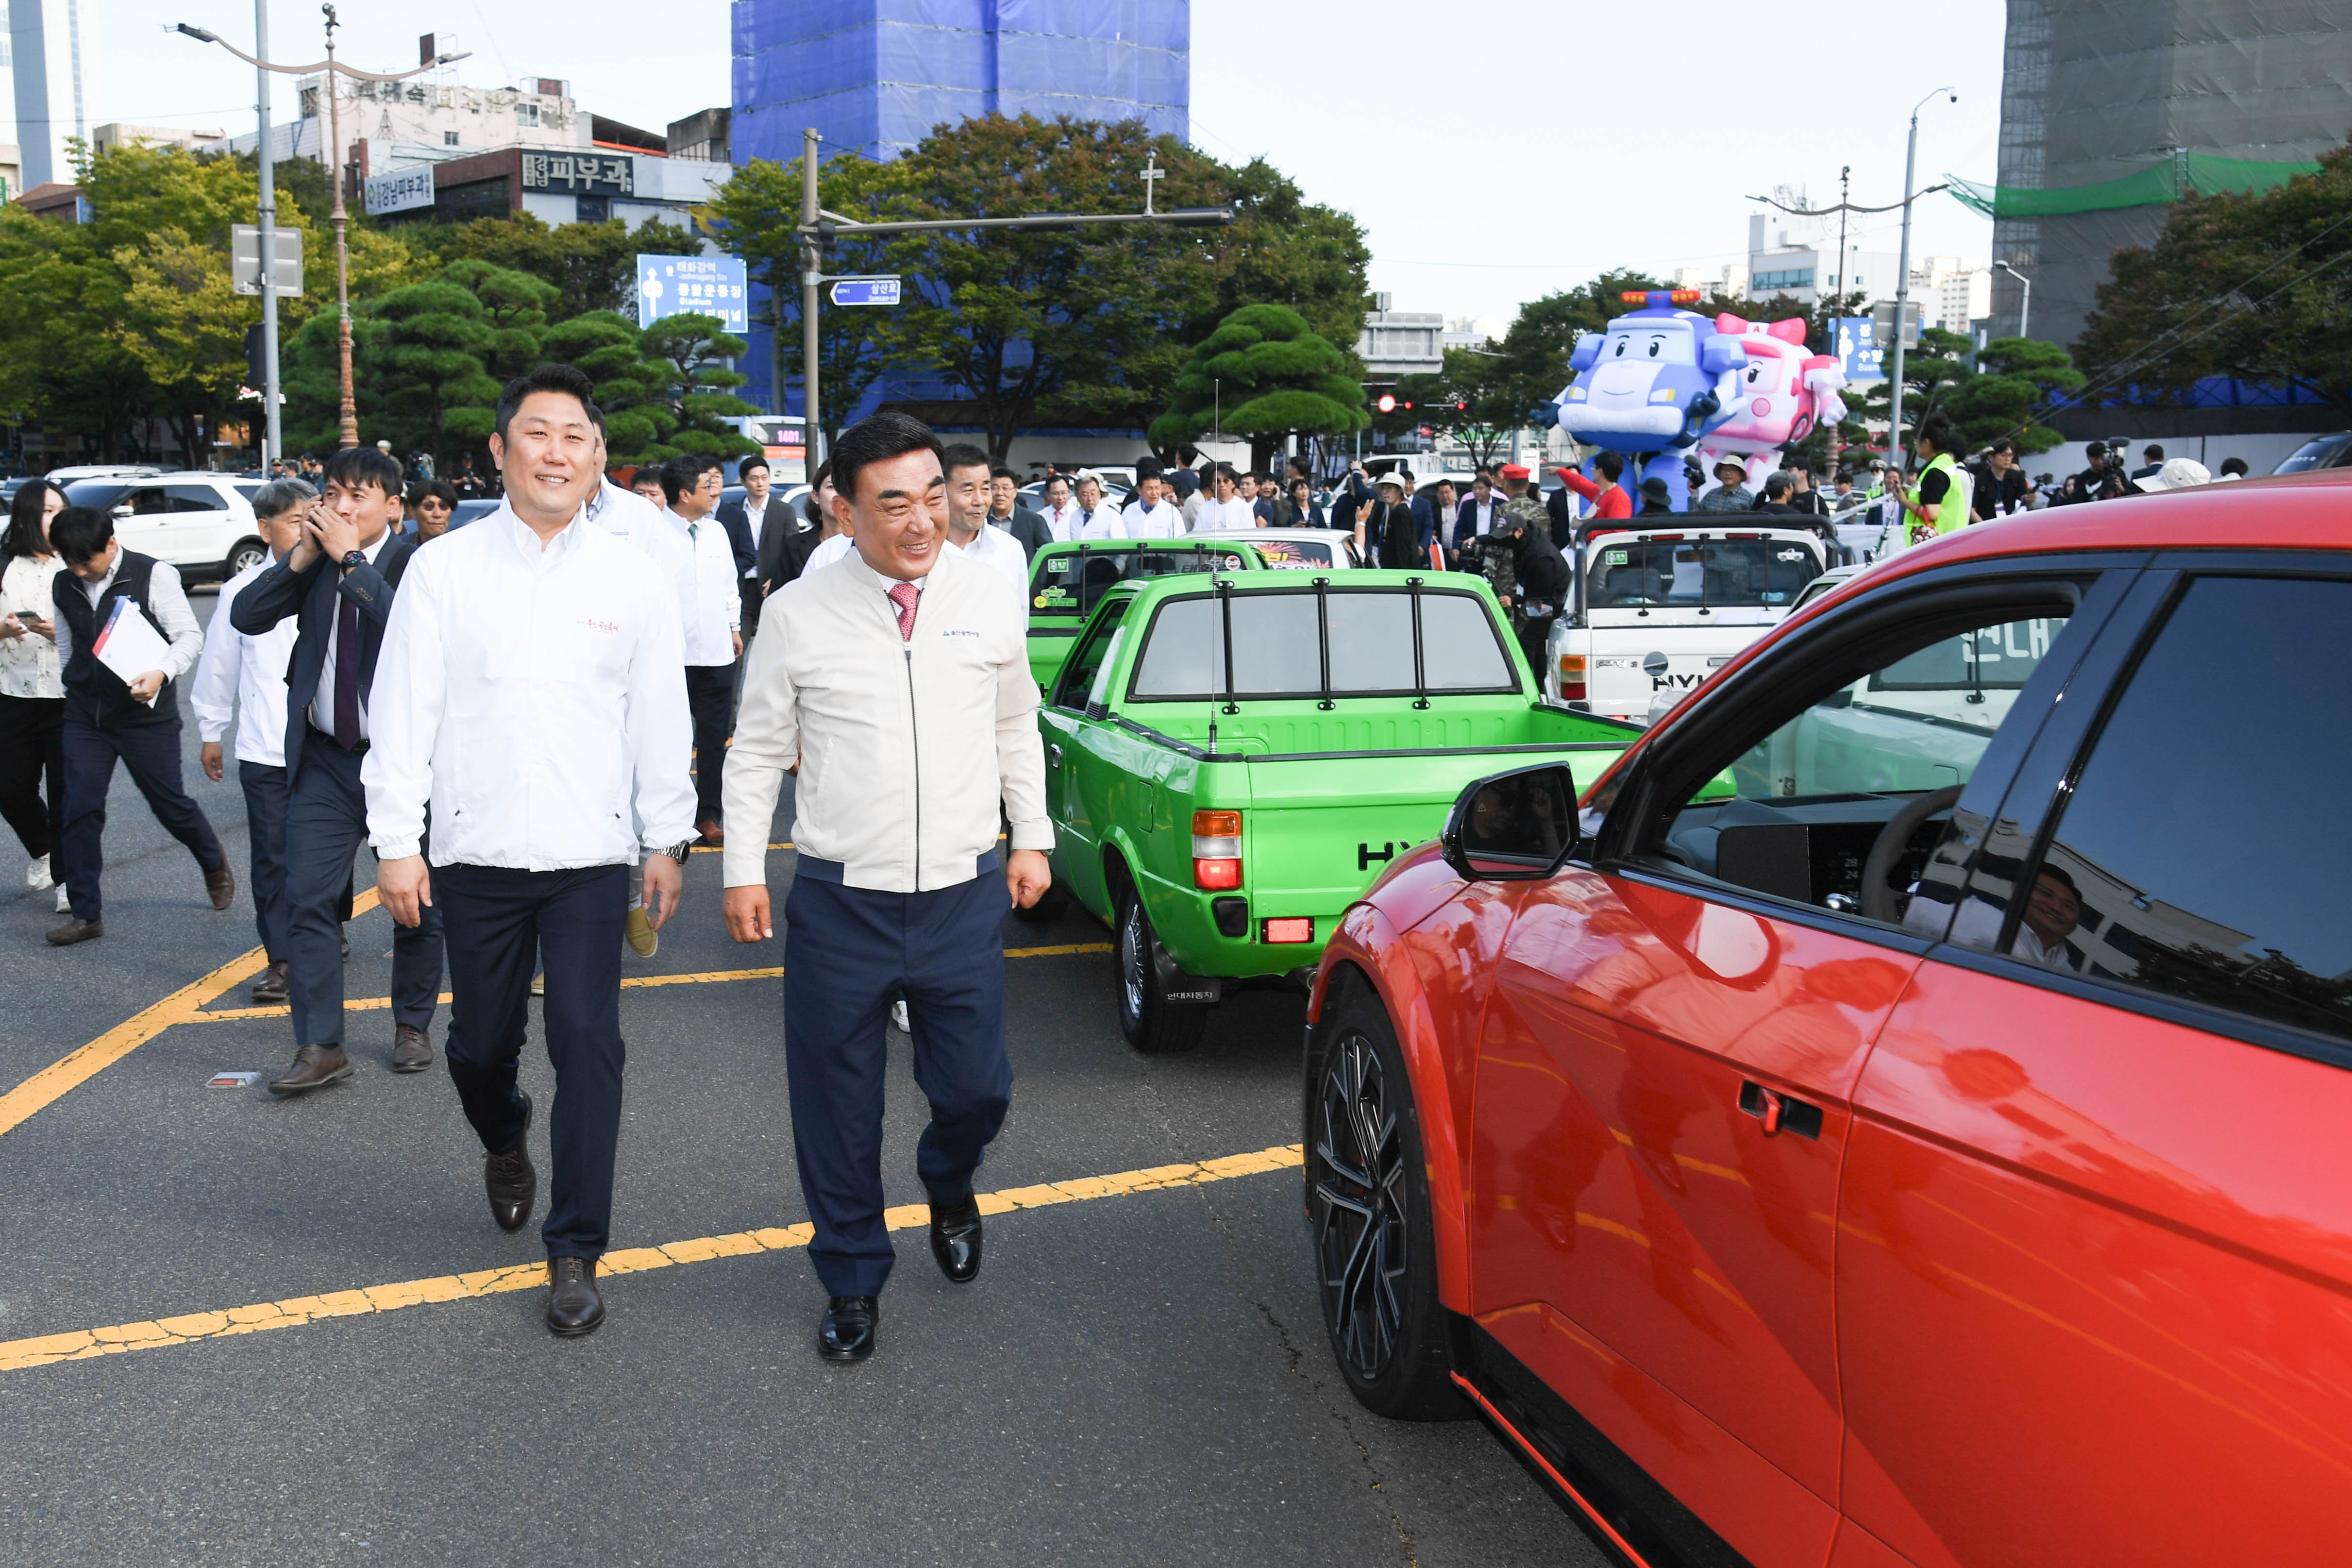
x,y
1653,612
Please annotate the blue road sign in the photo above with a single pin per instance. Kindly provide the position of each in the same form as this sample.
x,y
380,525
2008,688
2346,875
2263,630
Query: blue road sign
x,y
701,285
1860,354
865,291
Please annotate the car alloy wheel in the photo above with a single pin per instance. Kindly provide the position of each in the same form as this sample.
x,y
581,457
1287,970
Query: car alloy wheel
x,y
248,555
1134,956
1363,1245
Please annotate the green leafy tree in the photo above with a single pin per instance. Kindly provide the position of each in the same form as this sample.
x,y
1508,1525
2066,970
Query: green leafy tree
x,y
692,352
1474,399
1263,373
632,389
2253,287
517,306
426,368
591,266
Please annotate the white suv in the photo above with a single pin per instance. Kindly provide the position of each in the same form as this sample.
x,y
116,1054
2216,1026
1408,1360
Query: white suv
x,y
200,522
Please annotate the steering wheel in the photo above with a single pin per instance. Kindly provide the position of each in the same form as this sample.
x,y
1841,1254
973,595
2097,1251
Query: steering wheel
x,y
1877,897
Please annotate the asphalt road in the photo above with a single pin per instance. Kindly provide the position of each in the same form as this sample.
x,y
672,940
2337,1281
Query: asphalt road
x,y
1141,1377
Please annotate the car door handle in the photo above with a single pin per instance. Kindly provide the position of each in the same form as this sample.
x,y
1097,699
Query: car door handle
x,y
1779,1112
1053,756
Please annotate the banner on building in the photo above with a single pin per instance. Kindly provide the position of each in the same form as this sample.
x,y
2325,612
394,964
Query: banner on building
x,y
400,190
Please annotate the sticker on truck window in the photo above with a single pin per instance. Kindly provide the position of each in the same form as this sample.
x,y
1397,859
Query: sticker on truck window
x,y
1790,556
1613,558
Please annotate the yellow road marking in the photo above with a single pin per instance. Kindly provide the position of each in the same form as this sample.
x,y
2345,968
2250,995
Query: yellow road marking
x,y
82,1344
377,1003
70,1072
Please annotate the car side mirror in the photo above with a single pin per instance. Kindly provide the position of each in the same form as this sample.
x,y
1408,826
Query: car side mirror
x,y
1513,828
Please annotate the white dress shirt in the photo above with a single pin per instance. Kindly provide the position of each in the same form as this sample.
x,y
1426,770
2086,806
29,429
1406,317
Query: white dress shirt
x,y
536,698
322,710
651,531
1062,522
1100,524
993,546
828,551
719,603
241,680
169,603
905,747
1162,521
1482,516
755,517
1233,513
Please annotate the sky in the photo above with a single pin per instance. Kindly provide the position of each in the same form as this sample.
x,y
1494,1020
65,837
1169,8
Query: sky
x,y
1494,151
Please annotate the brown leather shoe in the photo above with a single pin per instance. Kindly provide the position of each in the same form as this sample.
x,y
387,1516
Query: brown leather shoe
x,y
222,886
313,1066
712,834
270,986
412,1051
74,931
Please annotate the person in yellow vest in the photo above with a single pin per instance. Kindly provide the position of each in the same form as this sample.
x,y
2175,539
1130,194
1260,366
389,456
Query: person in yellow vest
x,y
1931,502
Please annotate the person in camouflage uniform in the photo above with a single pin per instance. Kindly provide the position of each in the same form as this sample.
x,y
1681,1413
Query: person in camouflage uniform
x,y
1520,546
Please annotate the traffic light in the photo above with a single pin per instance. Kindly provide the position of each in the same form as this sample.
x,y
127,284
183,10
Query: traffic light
x,y
1460,406
1388,403
257,367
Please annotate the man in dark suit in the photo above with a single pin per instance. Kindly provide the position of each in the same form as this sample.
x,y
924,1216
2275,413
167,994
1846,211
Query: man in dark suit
x,y
789,537
1006,511
746,522
340,578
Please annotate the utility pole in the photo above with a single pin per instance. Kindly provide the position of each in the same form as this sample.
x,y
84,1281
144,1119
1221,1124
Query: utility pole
x,y
819,228
265,219
1902,287
812,279
1845,287
351,428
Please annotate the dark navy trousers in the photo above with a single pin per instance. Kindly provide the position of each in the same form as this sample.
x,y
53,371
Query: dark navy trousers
x,y
847,952
501,923
326,823
151,754
264,785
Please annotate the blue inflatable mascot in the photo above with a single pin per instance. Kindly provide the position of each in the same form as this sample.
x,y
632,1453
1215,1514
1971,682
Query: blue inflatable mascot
x,y
1648,385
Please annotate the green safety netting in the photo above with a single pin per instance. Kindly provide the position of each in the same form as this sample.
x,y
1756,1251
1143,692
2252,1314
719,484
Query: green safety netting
x,y
2158,183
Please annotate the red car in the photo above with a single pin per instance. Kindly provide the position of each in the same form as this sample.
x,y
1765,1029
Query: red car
x,y
1902,1111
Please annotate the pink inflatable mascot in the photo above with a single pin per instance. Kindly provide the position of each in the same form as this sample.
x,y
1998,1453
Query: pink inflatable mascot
x,y
1776,398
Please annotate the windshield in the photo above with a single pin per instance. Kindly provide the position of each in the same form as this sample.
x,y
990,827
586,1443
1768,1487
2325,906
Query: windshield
x,y
1073,584
2319,454
1673,570
99,494
1293,554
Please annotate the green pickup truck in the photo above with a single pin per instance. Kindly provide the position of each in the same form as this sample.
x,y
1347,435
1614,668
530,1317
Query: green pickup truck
x,y
1230,758
1067,580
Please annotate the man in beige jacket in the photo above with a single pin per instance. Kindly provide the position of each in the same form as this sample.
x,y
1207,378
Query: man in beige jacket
x,y
897,683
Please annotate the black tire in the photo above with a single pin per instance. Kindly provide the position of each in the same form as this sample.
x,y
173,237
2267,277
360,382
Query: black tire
x,y
1368,1212
1051,905
1152,1024
245,552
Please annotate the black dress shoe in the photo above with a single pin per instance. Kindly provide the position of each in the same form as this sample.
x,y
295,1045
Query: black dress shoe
x,y
846,1332
573,1307
222,886
512,1184
270,986
314,1068
411,1050
955,1240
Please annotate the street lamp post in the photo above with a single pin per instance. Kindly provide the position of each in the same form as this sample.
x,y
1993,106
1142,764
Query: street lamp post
x,y
1903,284
2024,304
340,219
273,445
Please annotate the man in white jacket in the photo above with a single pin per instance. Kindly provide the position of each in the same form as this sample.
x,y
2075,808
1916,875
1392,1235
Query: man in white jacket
x,y
897,681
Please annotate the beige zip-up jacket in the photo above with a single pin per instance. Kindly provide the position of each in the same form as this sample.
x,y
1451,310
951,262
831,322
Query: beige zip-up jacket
x,y
904,747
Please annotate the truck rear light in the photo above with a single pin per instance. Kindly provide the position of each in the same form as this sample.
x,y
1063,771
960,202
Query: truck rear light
x,y
1291,928
1217,849
1571,676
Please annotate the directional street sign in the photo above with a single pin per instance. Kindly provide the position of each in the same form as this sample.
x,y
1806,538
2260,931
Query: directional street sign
x,y
245,260
865,291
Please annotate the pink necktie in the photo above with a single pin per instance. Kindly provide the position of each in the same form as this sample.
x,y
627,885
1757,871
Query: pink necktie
x,y
904,595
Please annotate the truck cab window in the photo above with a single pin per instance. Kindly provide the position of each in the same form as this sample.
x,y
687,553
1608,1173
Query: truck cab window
x,y
1094,651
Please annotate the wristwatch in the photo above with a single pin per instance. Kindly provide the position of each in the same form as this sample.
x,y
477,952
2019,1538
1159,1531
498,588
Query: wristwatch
x,y
354,558
678,851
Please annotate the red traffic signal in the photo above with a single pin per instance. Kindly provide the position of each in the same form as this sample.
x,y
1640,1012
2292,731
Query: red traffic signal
x,y
1388,403
1460,406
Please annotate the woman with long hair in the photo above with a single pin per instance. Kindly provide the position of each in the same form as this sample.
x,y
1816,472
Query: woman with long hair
x,y
32,694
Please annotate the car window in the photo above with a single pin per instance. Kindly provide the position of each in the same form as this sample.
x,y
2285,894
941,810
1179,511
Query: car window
x,y
194,498
1294,553
2197,866
103,494
1092,653
1806,803
1071,584
1727,573
1277,651
2324,452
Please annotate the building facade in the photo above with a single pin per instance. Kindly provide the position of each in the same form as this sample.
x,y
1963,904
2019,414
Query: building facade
x,y
53,78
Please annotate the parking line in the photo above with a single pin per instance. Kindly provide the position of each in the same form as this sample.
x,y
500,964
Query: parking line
x,y
82,1344
716,976
70,1072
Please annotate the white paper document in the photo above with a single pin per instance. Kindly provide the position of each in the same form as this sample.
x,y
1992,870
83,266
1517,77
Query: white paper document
x,y
130,644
